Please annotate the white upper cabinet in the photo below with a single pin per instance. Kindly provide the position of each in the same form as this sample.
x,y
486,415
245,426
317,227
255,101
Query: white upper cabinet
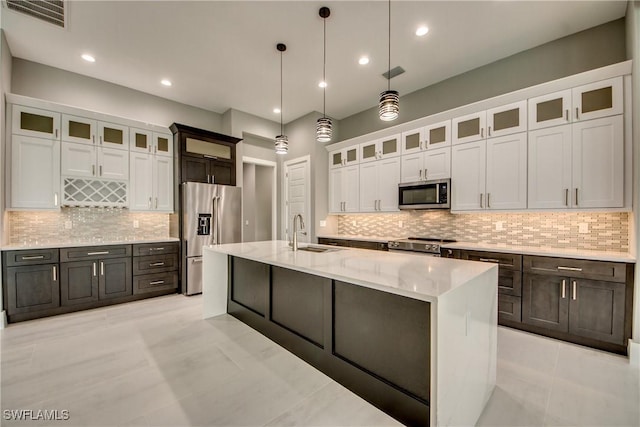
x,y
380,149
379,185
506,186
412,167
35,173
549,159
162,184
344,157
469,128
35,122
549,110
468,172
141,188
113,135
88,161
163,144
438,135
79,129
344,189
437,164
140,140
599,99
507,119
598,163
412,141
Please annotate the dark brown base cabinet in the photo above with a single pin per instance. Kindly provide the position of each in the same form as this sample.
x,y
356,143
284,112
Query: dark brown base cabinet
x,y
582,301
155,267
360,244
351,333
46,282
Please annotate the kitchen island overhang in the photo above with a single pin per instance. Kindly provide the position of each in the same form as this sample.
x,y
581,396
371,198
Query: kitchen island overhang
x,y
416,336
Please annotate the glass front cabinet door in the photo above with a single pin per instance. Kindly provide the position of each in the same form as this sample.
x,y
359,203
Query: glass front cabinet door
x,y
507,119
412,141
113,135
549,110
35,122
78,129
163,144
438,135
469,128
140,140
599,99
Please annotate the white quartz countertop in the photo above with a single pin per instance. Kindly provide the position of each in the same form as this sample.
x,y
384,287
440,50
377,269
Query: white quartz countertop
x,y
551,252
50,245
415,276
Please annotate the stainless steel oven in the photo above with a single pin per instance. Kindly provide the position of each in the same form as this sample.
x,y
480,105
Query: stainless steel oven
x,y
425,194
430,246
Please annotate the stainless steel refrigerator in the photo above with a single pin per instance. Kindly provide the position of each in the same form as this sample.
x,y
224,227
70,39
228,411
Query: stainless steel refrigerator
x,y
211,215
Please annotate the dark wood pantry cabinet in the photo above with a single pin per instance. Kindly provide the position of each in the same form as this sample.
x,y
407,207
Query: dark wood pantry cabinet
x,y
204,156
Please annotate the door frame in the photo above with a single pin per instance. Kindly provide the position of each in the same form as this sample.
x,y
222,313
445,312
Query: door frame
x,y
274,196
285,193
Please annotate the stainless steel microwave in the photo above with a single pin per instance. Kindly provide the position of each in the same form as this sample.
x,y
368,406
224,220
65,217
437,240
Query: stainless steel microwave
x,y
434,194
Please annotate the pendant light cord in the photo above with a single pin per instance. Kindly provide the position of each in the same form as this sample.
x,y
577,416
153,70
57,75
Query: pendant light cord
x,y
324,67
281,127
389,64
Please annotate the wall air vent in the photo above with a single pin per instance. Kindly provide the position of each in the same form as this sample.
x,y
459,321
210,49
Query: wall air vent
x,y
393,73
51,11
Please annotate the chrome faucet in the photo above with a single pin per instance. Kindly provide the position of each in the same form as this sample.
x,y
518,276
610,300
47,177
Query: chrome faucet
x,y
295,230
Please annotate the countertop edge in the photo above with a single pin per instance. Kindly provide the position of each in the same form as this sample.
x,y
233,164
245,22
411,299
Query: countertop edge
x,y
20,247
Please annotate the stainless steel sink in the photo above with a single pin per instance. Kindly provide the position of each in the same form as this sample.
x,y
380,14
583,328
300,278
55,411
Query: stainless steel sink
x,y
318,249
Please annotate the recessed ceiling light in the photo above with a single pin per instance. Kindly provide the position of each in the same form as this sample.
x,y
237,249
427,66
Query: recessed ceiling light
x,y
364,60
322,84
165,82
421,31
276,110
88,57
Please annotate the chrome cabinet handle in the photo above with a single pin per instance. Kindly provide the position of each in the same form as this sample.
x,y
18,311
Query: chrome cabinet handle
x,y
489,130
564,290
156,264
577,116
100,170
56,133
561,268
481,194
55,273
156,249
55,199
149,202
33,257
156,203
210,157
420,175
481,132
566,197
98,253
93,139
576,196
575,291
425,174
93,170
95,273
566,115
157,282
488,200
101,268
490,260
196,261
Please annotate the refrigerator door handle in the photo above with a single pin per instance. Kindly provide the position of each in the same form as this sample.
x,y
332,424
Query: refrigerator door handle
x,y
218,222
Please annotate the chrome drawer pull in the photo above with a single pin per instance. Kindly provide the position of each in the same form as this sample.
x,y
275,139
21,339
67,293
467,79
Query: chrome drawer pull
x,y
490,260
157,282
156,264
575,293
196,261
33,257
569,268
156,249
94,270
564,290
55,274
98,253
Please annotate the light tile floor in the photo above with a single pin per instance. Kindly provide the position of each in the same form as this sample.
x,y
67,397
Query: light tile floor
x,y
157,363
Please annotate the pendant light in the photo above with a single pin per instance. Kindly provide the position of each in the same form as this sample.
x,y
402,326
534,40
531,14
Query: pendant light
x,y
389,105
282,142
323,125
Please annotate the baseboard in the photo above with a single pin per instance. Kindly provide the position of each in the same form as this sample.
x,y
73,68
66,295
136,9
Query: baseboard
x,y
634,353
3,319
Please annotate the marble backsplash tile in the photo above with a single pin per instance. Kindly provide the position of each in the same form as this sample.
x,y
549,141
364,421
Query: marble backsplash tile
x,y
99,225
607,231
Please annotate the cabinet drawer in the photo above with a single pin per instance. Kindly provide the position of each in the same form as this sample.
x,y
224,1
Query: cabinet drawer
x,y
509,308
155,282
594,270
94,252
155,248
506,261
509,282
378,246
30,257
155,264
332,242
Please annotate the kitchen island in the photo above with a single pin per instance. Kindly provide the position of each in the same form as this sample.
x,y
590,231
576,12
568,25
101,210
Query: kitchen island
x,y
415,336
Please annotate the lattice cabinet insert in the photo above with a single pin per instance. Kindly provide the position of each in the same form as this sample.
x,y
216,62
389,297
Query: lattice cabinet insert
x,y
93,192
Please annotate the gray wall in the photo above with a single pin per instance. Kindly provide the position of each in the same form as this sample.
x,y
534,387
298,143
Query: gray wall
x,y
633,52
586,50
53,84
263,197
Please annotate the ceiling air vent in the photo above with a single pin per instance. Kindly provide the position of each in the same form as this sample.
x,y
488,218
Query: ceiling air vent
x,y
51,11
393,73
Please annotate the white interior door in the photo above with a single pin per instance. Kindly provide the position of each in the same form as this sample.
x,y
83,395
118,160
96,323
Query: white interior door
x,y
297,196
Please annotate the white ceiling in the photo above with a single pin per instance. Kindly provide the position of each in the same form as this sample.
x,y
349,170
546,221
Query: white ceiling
x,y
222,55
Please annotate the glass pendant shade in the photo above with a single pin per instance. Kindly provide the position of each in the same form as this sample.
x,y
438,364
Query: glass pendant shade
x,y
282,144
323,130
389,107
